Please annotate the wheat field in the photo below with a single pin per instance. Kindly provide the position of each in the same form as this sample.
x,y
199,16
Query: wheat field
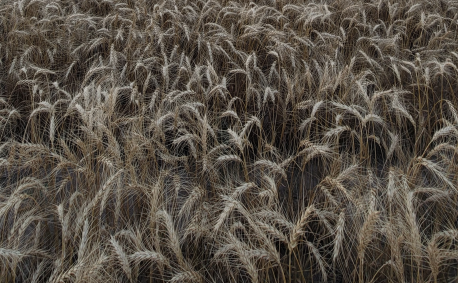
x,y
228,141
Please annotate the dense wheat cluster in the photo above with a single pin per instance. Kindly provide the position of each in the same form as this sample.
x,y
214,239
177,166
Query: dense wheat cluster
x,y
222,141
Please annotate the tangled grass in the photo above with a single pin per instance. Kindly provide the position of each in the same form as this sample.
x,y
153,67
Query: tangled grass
x,y
221,141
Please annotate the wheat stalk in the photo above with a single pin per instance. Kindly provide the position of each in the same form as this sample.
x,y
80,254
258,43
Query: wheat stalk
x,y
297,230
122,257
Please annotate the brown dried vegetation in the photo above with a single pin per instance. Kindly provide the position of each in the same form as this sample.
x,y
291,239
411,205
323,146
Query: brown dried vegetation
x,y
222,141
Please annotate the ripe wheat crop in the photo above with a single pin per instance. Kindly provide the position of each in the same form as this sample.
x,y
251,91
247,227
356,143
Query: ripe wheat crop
x,y
229,141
